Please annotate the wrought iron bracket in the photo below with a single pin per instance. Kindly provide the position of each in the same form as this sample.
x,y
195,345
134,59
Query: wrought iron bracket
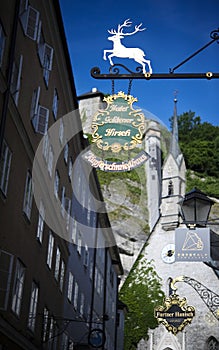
x,y
114,70
114,73
210,298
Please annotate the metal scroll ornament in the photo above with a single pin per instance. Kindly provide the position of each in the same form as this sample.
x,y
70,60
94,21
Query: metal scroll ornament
x,y
174,314
118,127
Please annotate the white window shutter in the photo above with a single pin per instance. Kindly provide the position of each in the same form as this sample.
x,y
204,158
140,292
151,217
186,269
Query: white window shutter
x,y
32,23
42,120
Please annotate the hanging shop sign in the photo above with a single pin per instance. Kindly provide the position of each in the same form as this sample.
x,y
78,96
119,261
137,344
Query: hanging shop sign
x,y
174,314
119,126
192,245
117,130
109,166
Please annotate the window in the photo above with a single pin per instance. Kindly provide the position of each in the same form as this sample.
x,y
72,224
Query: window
x,y
28,196
63,201
47,62
82,304
45,53
56,183
170,188
50,251
16,79
51,335
40,225
45,324
2,43
70,286
5,163
68,211
35,102
18,287
6,262
70,169
29,18
66,148
50,160
39,114
40,120
212,344
62,275
46,147
65,345
57,264
75,301
61,131
33,307
91,270
74,230
86,256
55,103
79,242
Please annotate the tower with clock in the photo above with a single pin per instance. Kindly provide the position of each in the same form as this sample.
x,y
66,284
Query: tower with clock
x,y
166,186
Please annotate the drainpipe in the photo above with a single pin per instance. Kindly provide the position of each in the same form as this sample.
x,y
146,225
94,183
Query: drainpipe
x,y
104,291
184,341
151,339
9,74
116,316
93,274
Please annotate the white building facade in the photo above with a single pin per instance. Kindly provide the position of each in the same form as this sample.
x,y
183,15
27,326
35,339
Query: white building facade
x,y
203,332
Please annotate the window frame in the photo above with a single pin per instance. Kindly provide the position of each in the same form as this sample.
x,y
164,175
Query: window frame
x,y
50,249
16,79
28,196
70,286
34,296
40,225
2,43
55,104
5,164
19,280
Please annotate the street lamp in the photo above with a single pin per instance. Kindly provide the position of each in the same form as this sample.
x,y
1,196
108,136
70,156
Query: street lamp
x,y
195,208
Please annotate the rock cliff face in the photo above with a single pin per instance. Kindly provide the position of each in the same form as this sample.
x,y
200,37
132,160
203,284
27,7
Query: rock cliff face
x,y
126,203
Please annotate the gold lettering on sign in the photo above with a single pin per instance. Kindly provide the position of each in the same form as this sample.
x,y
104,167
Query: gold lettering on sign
x,y
117,108
114,132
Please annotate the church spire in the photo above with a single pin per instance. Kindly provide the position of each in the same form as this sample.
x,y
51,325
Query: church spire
x,y
174,144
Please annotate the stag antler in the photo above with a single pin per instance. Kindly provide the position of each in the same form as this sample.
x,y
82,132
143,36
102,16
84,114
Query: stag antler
x,y
126,23
137,29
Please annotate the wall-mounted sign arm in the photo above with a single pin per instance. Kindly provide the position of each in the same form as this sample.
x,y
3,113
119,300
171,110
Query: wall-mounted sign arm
x,y
210,298
215,37
114,73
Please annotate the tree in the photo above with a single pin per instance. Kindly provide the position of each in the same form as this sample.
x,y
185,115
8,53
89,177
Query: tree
x,y
141,292
199,143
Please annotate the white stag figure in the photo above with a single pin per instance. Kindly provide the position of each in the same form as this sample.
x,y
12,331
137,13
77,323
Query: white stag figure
x,y
121,51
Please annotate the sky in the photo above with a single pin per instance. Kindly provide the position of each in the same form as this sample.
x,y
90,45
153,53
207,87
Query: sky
x,y
175,29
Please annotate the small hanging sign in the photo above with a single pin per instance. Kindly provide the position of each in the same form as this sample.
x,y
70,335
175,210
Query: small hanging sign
x,y
174,314
119,126
117,130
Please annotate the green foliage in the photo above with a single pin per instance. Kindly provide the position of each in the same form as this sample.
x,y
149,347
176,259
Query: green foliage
x,y
141,292
207,184
199,143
